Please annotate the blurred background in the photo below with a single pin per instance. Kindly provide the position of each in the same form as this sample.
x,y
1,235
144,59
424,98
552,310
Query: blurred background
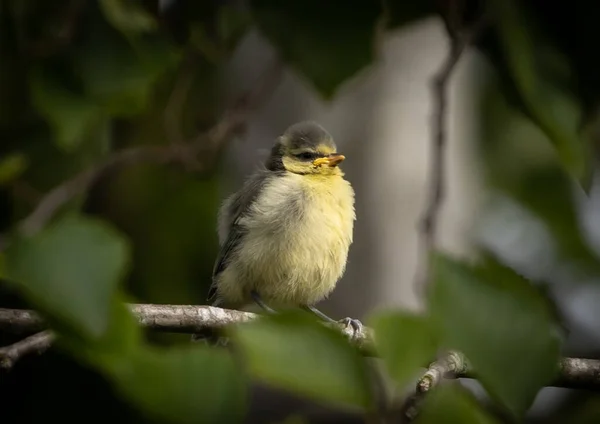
x,y
381,118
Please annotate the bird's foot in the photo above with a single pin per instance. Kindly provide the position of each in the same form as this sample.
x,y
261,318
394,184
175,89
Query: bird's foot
x,y
261,303
355,326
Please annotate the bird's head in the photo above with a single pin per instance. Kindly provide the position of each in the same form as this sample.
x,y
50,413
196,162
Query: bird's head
x,y
305,148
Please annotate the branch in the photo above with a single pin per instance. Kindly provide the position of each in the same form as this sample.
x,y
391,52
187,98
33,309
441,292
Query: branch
x,y
208,144
574,373
187,319
37,343
577,373
454,363
437,167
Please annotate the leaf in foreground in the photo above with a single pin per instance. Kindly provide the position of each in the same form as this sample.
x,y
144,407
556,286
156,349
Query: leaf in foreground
x,y
186,385
527,56
452,404
294,352
70,270
501,323
70,114
406,343
328,45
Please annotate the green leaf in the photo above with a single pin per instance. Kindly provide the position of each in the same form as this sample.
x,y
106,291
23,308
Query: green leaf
x,y
402,13
406,343
452,404
120,74
548,193
326,44
70,114
12,166
521,164
502,324
232,24
184,385
297,353
117,345
586,411
537,72
70,270
127,16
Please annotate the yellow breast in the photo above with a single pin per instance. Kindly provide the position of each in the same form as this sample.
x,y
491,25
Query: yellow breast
x,y
298,236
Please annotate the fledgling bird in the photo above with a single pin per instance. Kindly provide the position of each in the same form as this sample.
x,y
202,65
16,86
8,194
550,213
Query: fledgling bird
x,y
286,233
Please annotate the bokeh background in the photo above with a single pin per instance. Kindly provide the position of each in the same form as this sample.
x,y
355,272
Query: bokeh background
x,y
381,119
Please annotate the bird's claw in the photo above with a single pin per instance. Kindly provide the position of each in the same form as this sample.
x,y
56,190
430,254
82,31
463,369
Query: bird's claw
x,y
357,326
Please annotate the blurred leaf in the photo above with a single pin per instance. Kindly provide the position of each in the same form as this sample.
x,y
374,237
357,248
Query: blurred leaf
x,y
583,412
313,37
232,24
185,385
406,343
113,351
532,64
518,162
548,193
297,353
128,16
70,271
120,74
503,326
452,404
406,12
12,166
70,115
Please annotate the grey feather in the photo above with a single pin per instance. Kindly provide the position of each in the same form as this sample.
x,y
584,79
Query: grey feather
x,y
230,232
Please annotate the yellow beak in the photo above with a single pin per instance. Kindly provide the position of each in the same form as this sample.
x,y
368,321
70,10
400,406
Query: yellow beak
x,y
331,160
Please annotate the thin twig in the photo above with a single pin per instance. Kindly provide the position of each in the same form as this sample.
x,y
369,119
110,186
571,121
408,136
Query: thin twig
x,y
37,343
208,144
77,185
436,192
450,366
437,166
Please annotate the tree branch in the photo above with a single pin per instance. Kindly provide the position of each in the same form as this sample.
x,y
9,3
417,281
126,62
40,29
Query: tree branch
x,y
577,373
187,319
37,343
437,166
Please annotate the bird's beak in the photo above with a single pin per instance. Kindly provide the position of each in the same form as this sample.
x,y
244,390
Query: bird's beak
x,y
331,160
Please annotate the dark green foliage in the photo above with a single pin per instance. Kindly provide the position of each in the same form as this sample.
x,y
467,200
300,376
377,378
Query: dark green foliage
x,y
501,323
310,37
81,80
299,353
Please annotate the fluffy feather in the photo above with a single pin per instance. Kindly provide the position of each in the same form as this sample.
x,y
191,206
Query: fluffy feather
x,y
285,234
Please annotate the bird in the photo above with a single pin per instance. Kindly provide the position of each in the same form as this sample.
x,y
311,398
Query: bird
x,y
285,235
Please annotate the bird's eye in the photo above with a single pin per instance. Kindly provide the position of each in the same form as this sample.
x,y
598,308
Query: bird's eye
x,y
306,155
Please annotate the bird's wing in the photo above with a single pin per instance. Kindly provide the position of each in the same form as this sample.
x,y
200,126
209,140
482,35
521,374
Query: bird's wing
x,y
231,232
